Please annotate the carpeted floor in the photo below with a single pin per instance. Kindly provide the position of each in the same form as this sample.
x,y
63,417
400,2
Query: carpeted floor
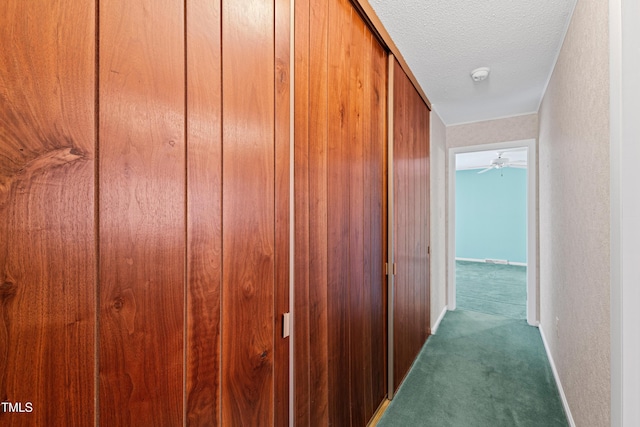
x,y
492,289
479,370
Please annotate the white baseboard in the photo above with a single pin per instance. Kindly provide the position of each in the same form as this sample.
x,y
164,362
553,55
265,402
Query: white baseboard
x,y
498,261
565,404
435,326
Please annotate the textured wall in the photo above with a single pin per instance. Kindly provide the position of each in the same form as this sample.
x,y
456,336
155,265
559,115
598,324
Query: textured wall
x,y
500,130
574,214
438,157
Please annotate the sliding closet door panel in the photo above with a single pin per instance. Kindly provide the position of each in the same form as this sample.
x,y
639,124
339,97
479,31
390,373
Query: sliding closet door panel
x,y
282,205
318,205
376,236
47,211
338,165
142,212
248,213
411,210
339,193
379,165
303,362
355,144
204,212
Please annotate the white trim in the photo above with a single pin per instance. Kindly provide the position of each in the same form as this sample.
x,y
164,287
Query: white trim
x,y
485,261
451,233
565,403
436,325
532,224
624,45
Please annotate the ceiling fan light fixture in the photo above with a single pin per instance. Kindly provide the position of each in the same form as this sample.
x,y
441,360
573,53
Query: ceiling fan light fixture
x,y
480,74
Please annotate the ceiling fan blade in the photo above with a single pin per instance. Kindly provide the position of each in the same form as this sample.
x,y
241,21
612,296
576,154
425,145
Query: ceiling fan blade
x,y
486,170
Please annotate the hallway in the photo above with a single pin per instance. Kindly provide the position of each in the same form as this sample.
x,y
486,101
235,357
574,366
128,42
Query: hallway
x,y
479,370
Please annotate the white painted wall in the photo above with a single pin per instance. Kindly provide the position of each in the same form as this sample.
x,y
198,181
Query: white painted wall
x,y
438,160
574,215
625,212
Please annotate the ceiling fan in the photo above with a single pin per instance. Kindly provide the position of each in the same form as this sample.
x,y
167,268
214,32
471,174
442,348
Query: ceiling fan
x,y
504,162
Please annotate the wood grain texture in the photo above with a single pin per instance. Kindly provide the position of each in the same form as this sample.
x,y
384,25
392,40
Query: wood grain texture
x,y
355,143
282,40
204,212
303,361
377,182
142,212
338,164
47,211
411,182
339,193
248,213
318,205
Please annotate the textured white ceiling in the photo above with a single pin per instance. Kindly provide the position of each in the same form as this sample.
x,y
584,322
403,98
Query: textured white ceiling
x,y
443,41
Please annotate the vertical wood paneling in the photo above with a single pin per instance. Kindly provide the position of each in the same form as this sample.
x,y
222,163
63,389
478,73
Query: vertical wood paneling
x,y
368,213
338,165
142,212
303,362
411,148
318,205
204,212
282,205
47,211
356,263
377,182
339,193
248,213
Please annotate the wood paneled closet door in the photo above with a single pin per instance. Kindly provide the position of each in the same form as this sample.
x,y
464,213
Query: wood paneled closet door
x,y
411,223
340,211
193,191
144,212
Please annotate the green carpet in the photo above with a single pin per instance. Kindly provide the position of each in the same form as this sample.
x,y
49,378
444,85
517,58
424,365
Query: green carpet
x,y
492,288
479,370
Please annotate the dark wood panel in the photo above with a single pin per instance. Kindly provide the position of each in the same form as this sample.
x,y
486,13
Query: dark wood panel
x,y
248,213
303,361
411,182
47,211
142,212
318,205
204,212
369,177
377,184
338,265
356,261
339,193
282,206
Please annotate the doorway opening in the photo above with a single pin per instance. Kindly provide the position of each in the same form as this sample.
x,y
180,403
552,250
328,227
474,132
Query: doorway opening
x,y
496,235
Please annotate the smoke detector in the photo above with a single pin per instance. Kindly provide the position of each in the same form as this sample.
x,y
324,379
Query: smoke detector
x,y
480,74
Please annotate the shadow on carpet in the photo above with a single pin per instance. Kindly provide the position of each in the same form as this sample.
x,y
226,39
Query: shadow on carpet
x,y
479,370
492,288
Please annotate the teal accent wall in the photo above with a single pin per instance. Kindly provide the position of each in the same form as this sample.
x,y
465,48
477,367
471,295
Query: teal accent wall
x,y
491,214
